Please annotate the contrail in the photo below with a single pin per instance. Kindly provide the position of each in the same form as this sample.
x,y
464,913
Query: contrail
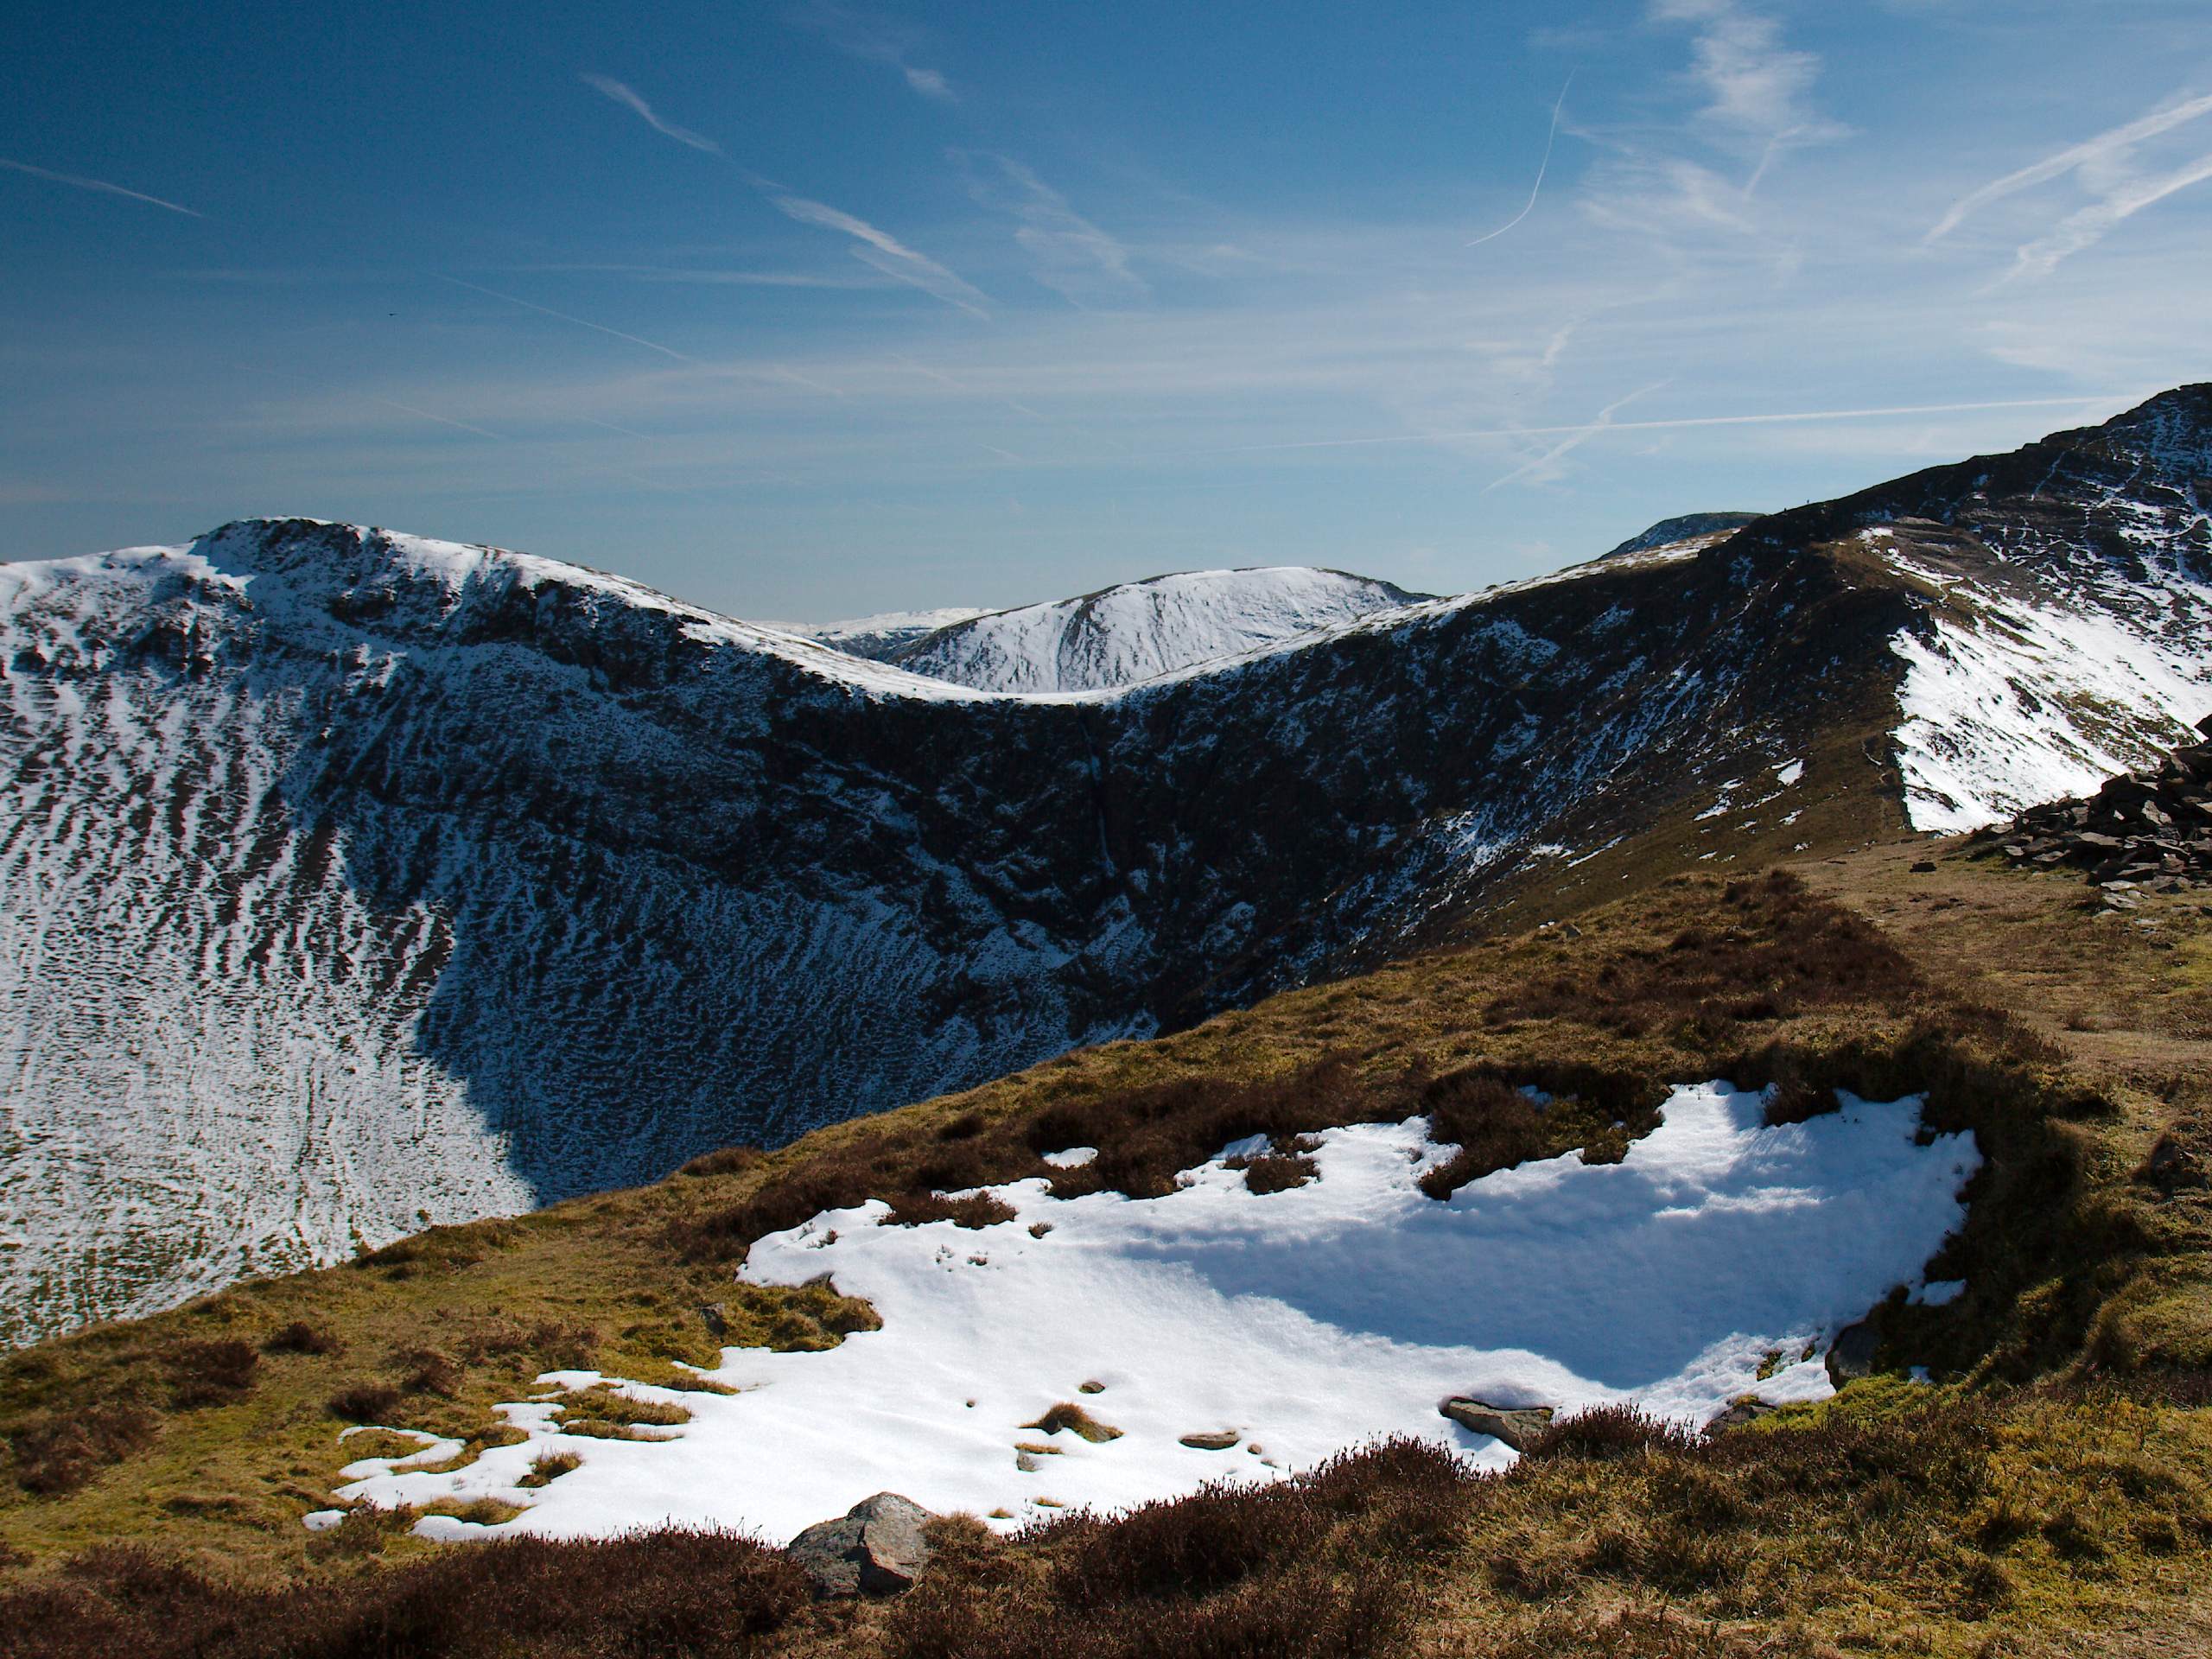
x,y
1541,166
443,420
564,316
2065,161
98,184
1672,425
1578,436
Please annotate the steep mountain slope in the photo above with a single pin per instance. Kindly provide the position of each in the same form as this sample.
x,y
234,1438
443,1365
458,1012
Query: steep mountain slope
x,y
1141,629
350,881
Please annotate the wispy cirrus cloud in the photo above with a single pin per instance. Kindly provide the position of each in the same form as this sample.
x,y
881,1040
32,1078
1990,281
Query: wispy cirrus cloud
x,y
2105,166
2088,227
1544,467
1752,83
2089,156
871,246
874,38
1755,105
887,253
1081,262
99,185
628,97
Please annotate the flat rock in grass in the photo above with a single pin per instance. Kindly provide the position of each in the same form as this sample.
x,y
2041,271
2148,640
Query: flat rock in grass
x,y
1516,1426
875,1548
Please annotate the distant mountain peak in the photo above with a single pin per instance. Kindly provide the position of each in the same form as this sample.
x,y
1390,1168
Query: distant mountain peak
x,y
1699,527
1135,630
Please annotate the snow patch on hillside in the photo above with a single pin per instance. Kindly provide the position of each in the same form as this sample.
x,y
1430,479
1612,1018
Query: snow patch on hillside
x,y
1302,1322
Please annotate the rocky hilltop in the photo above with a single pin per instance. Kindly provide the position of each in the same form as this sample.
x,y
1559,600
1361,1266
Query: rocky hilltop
x,y
351,881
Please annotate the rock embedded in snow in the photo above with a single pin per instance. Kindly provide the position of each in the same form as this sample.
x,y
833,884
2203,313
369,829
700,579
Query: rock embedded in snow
x,y
1213,1441
878,1548
1516,1426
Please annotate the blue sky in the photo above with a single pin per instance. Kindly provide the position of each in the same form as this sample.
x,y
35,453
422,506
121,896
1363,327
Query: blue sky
x,y
802,311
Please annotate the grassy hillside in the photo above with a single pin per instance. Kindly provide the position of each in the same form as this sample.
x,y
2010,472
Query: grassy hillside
x,y
2052,1481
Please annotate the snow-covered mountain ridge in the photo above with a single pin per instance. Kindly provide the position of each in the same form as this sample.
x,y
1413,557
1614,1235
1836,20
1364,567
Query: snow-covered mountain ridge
x,y
350,881
1140,630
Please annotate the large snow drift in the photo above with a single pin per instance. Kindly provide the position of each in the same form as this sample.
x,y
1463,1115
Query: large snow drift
x,y
1302,1322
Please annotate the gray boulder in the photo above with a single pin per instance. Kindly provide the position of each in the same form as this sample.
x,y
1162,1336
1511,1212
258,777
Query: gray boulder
x,y
875,1548
1518,1426
1853,1356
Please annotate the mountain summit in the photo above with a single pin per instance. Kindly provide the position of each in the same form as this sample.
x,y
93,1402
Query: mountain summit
x,y
353,881
1140,630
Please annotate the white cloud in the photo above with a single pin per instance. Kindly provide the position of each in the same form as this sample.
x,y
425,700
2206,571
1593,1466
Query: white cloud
x,y
623,95
887,254
1074,258
2095,156
1685,196
2105,167
873,38
2123,200
1752,83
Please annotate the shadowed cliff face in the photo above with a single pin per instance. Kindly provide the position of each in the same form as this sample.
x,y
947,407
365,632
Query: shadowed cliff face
x,y
350,881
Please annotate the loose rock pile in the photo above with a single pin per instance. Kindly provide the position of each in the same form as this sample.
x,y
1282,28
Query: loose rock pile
x,y
2149,830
